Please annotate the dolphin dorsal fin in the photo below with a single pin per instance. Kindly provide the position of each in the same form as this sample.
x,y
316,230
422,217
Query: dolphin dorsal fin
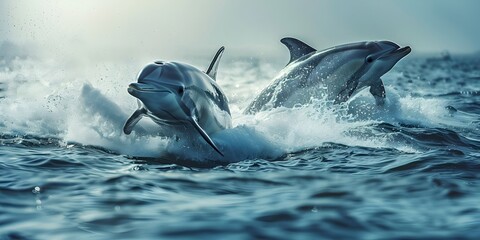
x,y
212,69
297,48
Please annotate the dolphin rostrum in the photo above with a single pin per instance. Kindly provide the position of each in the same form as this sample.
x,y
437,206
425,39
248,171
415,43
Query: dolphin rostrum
x,y
334,74
182,99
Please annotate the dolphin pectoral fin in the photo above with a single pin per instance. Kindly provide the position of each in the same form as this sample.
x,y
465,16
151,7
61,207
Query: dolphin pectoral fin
x,y
348,90
189,108
212,69
133,120
205,135
378,91
297,48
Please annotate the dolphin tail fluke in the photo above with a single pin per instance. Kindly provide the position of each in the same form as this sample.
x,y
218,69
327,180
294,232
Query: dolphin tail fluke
x,y
212,69
377,89
297,48
133,120
205,135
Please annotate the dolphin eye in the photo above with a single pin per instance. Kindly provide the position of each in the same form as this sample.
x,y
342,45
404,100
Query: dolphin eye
x,y
369,59
181,90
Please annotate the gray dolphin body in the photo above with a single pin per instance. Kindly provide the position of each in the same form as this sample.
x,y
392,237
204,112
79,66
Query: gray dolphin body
x,y
182,99
334,74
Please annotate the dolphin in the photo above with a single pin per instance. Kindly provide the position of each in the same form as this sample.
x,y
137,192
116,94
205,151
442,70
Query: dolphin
x,y
335,74
182,99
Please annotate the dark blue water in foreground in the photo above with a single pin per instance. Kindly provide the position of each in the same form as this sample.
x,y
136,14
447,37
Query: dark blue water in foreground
x,y
422,181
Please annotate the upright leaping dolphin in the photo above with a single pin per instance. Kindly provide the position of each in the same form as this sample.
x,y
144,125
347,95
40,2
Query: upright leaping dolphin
x,y
182,99
334,74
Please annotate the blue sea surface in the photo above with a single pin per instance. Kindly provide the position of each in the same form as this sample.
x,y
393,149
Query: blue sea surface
x,y
408,170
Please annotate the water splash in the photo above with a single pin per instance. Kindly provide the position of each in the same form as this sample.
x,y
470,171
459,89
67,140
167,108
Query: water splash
x,y
89,106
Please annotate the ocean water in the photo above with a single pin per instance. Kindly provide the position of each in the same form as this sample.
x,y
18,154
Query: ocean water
x,y
408,170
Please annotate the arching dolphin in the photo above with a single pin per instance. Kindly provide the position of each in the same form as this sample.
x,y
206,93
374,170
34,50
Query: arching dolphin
x,y
182,99
334,74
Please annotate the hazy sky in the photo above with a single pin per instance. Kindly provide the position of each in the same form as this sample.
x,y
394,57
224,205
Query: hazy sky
x,y
248,27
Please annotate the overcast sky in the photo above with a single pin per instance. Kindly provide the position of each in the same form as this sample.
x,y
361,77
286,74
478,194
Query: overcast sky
x,y
248,27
